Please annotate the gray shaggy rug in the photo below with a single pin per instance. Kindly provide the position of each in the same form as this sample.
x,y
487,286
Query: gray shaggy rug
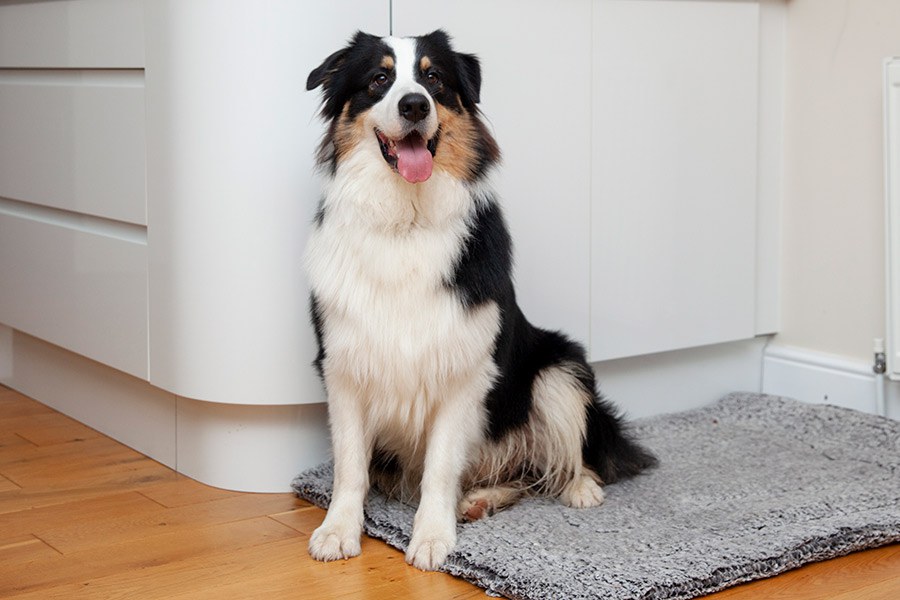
x,y
747,488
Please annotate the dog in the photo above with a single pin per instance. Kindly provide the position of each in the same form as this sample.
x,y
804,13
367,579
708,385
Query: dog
x,y
439,389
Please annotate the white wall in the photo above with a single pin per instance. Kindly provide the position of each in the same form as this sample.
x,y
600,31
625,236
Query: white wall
x,y
833,219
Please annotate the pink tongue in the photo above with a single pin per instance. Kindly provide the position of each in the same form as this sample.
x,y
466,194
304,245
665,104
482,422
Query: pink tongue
x,y
413,159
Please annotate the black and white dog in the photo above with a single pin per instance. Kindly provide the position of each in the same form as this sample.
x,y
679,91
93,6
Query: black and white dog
x,y
438,387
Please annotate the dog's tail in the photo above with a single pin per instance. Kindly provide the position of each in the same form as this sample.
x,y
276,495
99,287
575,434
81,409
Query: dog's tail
x,y
609,447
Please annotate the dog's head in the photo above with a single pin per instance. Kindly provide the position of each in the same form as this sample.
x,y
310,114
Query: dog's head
x,y
412,98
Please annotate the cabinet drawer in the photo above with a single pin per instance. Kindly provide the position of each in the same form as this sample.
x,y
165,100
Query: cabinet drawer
x,y
74,139
76,288
66,34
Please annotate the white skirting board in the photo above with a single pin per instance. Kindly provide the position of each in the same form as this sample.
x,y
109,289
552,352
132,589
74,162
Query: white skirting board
x,y
653,384
813,376
251,448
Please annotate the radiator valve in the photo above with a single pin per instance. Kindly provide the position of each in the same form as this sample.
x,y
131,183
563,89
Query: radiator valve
x,y
880,365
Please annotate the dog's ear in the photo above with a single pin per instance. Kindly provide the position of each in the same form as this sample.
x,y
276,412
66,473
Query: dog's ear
x,y
322,74
469,69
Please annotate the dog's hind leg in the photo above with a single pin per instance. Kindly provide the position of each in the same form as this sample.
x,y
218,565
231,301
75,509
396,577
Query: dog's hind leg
x,y
485,501
583,491
562,395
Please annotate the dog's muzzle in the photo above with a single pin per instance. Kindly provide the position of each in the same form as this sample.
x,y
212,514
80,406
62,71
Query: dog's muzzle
x,y
409,148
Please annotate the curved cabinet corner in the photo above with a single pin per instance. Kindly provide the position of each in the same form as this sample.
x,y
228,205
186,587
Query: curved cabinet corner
x,y
231,134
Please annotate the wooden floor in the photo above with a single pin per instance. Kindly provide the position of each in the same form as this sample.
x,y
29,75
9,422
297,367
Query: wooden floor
x,y
82,516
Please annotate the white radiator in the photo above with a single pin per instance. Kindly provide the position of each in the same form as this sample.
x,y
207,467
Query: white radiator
x,y
892,195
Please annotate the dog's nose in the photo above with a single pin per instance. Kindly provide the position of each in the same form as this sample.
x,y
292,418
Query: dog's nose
x,y
414,107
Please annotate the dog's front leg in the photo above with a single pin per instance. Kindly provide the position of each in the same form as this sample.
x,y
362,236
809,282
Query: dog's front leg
x,y
454,433
339,535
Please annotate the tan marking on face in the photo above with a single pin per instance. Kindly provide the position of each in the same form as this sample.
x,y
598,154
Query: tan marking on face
x,y
424,63
348,133
454,153
460,132
387,62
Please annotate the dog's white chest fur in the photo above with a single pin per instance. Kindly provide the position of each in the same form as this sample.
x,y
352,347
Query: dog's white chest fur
x,y
392,329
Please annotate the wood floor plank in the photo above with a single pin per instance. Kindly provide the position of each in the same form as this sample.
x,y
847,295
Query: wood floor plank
x,y
183,491
11,443
29,497
59,465
303,519
64,461
278,570
74,470
215,575
135,526
828,579
133,559
883,590
48,429
7,486
396,582
23,548
26,499
87,513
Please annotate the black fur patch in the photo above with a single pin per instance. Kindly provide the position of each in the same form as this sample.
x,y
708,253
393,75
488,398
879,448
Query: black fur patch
x,y
484,273
459,74
315,314
346,76
319,217
609,447
484,269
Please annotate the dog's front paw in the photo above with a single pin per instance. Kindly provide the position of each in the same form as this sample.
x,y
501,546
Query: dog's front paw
x,y
429,549
582,492
334,542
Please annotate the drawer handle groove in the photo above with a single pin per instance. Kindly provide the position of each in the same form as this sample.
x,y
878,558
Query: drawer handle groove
x,y
128,232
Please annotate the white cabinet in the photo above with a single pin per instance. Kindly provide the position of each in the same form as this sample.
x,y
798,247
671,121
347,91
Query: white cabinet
x,y
630,175
674,124
231,136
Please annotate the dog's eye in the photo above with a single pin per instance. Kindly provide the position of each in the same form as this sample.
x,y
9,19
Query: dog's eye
x,y
379,79
432,78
